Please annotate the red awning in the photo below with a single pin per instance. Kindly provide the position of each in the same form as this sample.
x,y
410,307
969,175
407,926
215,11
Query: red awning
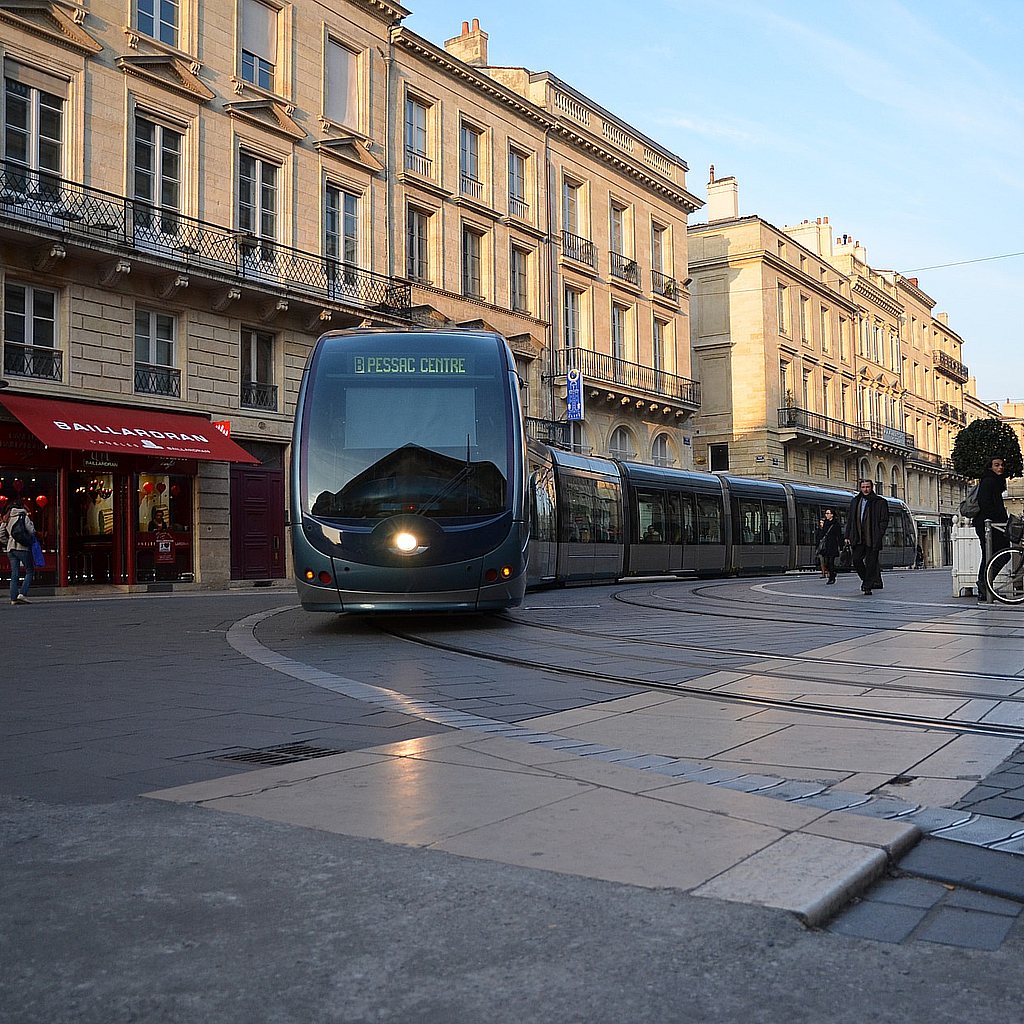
x,y
118,429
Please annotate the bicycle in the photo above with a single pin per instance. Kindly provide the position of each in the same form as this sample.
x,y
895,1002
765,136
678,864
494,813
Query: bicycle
x,y
1005,570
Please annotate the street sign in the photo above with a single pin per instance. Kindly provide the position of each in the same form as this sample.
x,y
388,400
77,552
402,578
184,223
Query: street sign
x,y
573,395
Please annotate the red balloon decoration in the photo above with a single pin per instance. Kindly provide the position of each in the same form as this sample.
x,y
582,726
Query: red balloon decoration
x,y
19,486
42,501
160,488
147,487
4,499
175,490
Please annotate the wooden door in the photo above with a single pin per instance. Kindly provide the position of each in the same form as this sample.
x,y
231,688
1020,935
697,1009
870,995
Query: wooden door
x,y
257,523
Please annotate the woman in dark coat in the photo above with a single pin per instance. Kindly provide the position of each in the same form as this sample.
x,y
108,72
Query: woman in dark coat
x,y
990,506
830,542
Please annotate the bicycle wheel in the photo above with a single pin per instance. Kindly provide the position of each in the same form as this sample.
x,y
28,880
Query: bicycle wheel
x,y
1005,575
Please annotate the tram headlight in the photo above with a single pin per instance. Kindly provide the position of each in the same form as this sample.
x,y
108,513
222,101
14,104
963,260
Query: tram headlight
x,y
405,542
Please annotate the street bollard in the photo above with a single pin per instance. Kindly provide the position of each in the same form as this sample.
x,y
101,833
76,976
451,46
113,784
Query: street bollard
x,y
988,558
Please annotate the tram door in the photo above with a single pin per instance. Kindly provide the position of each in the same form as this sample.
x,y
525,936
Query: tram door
x,y
543,526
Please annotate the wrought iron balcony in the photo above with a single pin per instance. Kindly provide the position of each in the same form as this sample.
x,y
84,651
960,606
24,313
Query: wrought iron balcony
x,y
91,215
157,380
891,435
548,431
582,250
518,208
812,422
598,368
418,163
33,361
665,286
624,267
950,367
471,186
259,396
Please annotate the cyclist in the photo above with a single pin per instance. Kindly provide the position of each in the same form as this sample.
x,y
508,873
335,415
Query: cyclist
x,y
990,506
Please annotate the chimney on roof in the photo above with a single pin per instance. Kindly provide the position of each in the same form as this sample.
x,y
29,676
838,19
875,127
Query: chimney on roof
x,y
817,236
471,46
913,281
723,198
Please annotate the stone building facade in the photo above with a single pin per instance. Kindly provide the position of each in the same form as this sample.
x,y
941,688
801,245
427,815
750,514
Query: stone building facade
x,y
191,193
814,366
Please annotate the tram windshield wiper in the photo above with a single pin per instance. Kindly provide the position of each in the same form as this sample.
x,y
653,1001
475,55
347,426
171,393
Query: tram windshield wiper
x,y
463,474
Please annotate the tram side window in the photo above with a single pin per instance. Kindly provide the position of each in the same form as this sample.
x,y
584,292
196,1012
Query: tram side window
x,y
544,520
807,523
651,517
748,520
688,513
776,523
608,513
710,520
579,511
677,506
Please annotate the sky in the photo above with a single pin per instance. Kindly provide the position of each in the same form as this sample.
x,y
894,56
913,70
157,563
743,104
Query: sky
x,y
903,123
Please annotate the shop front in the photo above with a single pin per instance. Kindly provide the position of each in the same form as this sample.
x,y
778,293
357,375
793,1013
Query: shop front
x,y
112,490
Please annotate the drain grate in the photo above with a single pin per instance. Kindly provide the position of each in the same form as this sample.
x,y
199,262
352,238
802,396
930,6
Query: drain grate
x,y
285,753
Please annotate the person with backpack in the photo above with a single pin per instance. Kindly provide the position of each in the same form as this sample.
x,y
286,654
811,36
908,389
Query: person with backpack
x,y
990,506
17,531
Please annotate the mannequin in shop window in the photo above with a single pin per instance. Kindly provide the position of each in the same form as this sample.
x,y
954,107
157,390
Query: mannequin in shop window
x,y
158,521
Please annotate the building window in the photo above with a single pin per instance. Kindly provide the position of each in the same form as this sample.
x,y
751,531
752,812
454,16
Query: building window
x,y
519,279
417,245
259,44
571,213
342,239
518,206
470,181
826,405
658,336
826,340
718,456
30,332
154,354
472,249
342,102
577,436
659,248
806,389
257,370
620,446
782,300
158,19
617,229
843,336
523,373
571,310
33,129
416,158
257,202
157,179
785,392
661,453
620,328
805,326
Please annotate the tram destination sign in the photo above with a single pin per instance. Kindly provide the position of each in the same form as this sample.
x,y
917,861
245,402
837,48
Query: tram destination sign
x,y
411,366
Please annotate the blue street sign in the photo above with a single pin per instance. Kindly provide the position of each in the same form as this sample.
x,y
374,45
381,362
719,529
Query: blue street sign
x,y
573,395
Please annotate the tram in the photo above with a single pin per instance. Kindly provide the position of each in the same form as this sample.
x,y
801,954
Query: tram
x,y
408,482
413,489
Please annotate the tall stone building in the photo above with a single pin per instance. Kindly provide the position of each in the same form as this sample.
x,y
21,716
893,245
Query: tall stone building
x,y
815,366
191,193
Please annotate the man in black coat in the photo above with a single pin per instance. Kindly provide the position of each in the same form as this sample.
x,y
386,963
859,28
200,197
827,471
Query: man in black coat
x,y
991,486
865,529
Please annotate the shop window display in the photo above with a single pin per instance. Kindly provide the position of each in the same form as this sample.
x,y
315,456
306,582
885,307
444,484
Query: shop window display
x,y
164,528
38,492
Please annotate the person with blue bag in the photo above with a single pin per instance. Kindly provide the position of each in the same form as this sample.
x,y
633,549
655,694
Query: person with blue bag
x,y
17,535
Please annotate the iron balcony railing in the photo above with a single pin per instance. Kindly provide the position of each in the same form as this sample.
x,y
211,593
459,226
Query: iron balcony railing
x,y
471,186
604,369
582,250
803,419
952,367
550,431
33,361
418,163
518,208
89,214
259,396
662,284
890,435
625,268
157,380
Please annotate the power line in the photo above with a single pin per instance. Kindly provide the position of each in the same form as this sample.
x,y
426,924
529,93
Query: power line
x,y
961,263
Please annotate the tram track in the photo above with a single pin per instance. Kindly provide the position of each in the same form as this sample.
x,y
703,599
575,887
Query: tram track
x,y
959,726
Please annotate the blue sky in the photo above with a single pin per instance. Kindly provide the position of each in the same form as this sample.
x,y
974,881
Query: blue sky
x,y
903,123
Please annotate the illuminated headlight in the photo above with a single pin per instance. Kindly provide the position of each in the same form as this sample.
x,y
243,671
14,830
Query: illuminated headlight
x,y
405,542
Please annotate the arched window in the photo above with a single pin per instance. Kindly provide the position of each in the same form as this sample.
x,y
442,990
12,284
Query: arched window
x,y
621,444
577,437
864,473
895,490
880,479
661,453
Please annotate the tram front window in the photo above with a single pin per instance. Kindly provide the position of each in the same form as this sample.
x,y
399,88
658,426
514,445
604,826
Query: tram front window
x,y
406,432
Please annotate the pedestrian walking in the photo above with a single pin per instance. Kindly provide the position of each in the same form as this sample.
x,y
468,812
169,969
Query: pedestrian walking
x,y
865,529
17,531
818,534
990,506
830,542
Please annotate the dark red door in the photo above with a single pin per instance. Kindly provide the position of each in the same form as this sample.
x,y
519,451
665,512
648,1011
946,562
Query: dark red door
x,y
257,523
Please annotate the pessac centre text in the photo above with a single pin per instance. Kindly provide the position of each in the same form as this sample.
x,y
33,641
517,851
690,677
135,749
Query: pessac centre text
x,y
409,364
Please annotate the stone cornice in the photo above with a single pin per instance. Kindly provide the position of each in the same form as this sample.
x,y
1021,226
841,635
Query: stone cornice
x,y
875,294
166,71
45,18
385,10
353,149
266,114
